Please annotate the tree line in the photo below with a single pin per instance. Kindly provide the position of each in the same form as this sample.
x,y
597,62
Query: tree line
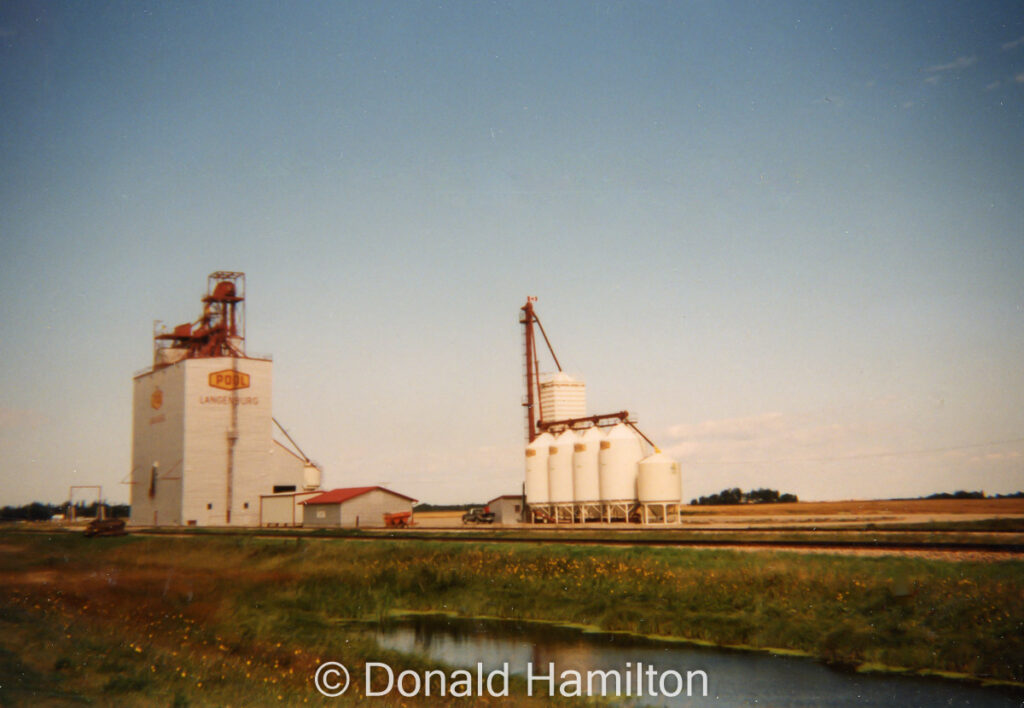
x,y
961,494
37,511
738,496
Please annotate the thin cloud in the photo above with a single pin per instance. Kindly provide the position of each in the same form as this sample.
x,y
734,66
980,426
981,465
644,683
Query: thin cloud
x,y
774,439
1019,78
992,86
729,429
1011,455
933,80
1013,45
771,437
958,63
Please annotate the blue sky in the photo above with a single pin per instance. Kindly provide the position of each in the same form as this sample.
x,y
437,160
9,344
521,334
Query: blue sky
x,y
788,236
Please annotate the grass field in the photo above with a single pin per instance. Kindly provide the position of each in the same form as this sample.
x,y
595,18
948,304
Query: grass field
x,y
244,621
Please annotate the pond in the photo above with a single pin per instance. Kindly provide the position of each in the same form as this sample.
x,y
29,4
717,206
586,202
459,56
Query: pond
x,y
647,670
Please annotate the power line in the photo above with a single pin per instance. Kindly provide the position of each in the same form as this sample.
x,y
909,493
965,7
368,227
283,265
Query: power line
x,y
864,456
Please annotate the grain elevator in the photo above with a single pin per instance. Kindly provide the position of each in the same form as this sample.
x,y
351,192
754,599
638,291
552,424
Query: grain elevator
x,y
584,468
203,450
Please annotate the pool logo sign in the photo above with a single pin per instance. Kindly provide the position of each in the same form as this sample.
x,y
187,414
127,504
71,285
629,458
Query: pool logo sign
x,y
229,380
157,399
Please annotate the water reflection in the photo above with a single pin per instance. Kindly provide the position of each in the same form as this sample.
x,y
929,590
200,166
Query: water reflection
x,y
733,678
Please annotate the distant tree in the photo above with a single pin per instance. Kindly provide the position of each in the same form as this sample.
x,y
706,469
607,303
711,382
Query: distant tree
x,y
35,511
763,496
733,496
961,494
448,507
728,497
39,512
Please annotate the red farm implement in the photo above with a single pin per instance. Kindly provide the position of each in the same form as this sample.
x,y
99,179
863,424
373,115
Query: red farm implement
x,y
399,520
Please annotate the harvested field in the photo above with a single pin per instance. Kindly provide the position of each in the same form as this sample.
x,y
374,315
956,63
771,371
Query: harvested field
x,y
819,514
900,507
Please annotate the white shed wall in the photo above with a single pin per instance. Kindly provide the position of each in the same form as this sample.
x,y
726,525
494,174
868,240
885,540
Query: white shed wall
x,y
321,515
506,511
370,508
366,510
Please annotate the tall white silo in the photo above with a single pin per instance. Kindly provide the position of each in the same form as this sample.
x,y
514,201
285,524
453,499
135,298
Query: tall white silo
x,y
585,477
537,470
560,468
585,473
620,452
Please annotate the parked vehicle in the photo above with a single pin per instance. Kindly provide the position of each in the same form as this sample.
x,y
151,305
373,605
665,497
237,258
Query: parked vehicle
x,y
105,527
476,515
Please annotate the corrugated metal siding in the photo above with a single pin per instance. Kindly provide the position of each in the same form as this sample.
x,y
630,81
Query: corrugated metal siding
x,y
208,414
288,469
158,437
188,437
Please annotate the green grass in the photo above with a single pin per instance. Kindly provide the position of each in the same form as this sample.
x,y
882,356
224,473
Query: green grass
x,y
991,531
249,618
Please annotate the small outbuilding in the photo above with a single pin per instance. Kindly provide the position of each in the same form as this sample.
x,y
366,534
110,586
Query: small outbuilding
x,y
283,509
508,508
354,507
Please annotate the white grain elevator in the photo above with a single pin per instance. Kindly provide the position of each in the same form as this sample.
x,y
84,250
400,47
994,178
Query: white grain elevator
x,y
203,449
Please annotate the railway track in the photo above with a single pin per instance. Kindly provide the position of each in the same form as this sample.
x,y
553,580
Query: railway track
x,y
471,537
800,544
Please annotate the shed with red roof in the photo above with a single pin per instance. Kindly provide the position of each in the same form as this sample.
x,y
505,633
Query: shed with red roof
x,y
354,507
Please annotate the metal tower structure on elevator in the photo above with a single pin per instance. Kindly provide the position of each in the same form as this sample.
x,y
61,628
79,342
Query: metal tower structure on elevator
x,y
219,331
536,423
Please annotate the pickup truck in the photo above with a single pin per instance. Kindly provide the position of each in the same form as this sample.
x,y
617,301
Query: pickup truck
x,y
477,515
